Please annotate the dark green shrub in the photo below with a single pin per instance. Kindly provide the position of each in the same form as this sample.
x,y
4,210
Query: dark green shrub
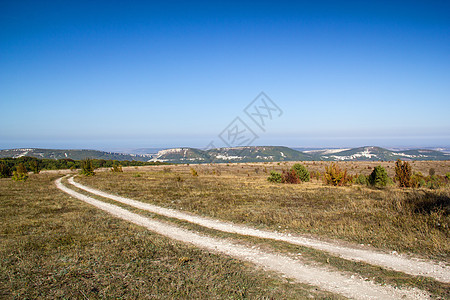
x,y
21,173
87,167
35,167
302,172
275,177
447,175
378,177
362,180
5,171
194,172
403,173
432,172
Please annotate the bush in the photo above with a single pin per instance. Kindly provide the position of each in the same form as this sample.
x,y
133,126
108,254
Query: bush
x,y
194,172
435,182
290,176
302,172
403,173
335,176
21,173
5,171
35,167
116,168
275,177
447,175
362,180
87,168
418,180
432,172
316,175
378,177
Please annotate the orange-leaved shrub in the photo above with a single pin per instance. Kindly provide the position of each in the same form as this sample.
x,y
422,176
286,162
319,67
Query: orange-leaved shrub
x,y
335,176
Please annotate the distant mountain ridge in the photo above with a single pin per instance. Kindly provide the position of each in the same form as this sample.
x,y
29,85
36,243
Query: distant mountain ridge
x,y
74,154
238,154
279,153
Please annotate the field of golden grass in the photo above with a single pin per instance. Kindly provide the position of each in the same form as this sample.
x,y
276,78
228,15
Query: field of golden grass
x,y
54,246
405,220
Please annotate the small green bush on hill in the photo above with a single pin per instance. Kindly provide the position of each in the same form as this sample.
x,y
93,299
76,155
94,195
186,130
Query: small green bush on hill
x,y
275,177
379,177
302,172
87,168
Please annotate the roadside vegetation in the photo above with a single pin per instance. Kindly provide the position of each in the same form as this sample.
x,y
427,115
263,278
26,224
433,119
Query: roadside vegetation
x,y
53,246
35,165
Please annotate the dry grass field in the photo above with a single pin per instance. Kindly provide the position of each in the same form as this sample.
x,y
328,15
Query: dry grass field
x,y
405,220
54,246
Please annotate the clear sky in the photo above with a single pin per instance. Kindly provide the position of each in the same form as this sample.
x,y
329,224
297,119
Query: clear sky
x,y
79,74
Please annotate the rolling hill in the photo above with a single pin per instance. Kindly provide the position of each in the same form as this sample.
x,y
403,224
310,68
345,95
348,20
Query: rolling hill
x,y
278,153
70,153
377,153
238,154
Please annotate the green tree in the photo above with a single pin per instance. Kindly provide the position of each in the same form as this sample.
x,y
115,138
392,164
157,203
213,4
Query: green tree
x,y
21,173
379,177
361,179
5,170
275,177
116,168
302,172
35,166
87,167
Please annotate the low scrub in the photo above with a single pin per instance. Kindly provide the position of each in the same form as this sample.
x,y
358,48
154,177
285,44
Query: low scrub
x,y
116,169
275,177
194,172
87,168
290,176
302,172
379,177
335,176
362,179
21,173
5,170
403,173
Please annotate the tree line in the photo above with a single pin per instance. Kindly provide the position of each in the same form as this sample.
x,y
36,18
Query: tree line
x,y
33,164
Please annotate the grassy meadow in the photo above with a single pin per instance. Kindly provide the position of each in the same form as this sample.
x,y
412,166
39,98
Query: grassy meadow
x,y
405,220
54,246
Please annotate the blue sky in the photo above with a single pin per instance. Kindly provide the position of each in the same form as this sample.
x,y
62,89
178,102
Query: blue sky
x,y
176,73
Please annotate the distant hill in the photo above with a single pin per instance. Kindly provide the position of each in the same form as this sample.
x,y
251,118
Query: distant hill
x,y
278,153
377,153
72,154
257,153
238,154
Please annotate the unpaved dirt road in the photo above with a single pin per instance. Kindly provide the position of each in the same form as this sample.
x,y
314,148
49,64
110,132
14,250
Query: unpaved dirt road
x,y
332,281
412,266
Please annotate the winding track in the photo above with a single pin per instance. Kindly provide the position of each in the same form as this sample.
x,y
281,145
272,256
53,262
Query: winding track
x,y
332,281
412,266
